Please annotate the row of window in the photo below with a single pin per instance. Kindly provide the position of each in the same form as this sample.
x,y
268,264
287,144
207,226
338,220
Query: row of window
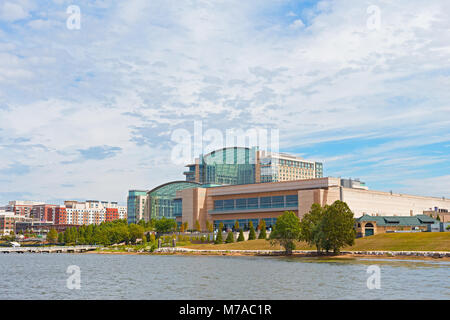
x,y
256,203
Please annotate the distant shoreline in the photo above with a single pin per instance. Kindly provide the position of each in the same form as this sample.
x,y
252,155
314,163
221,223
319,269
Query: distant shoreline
x,y
413,255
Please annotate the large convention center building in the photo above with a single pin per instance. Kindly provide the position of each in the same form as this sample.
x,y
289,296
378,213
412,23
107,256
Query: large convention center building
x,y
246,184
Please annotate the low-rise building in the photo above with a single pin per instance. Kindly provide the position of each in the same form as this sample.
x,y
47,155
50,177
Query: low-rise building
x,y
254,202
8,222
371,225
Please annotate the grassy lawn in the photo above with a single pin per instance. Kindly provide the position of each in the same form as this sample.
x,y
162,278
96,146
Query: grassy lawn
x,y
426,241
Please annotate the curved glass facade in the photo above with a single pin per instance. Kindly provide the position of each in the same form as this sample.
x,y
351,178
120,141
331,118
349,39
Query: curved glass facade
x,y
162,199
228,166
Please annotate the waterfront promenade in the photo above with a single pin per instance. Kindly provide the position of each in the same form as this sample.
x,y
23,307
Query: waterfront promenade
x,y
65,249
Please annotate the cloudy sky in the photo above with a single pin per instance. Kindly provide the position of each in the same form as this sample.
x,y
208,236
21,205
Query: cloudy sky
x,y
88,113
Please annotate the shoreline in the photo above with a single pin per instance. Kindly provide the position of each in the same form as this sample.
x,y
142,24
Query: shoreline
x,y
411,255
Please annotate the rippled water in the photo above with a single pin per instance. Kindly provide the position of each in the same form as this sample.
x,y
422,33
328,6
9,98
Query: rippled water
x,y
43,276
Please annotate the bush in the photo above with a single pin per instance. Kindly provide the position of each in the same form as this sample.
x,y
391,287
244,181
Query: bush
x,y
252,233
241,236
262,233
219,239
230,238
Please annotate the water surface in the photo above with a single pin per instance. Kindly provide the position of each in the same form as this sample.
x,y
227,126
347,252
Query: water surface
x,y
43,276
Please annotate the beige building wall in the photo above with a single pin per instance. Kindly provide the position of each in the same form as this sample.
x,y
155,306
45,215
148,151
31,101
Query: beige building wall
x,y
387,204
194,206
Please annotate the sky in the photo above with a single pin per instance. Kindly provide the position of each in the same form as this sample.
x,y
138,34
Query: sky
x,y
90,112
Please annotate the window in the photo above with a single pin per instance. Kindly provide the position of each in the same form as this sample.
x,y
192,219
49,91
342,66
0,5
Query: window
x,y
228,204
277,202
252,203
241,203
218,204
266,202
291,201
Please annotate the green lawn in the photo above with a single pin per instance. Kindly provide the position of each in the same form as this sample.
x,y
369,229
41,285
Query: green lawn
x,y
426,241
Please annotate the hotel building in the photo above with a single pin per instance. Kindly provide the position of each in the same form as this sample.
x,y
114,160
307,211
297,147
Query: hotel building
x,y
240,165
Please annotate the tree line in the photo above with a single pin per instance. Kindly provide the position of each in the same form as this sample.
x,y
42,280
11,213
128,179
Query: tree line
x,y
328,228
106,233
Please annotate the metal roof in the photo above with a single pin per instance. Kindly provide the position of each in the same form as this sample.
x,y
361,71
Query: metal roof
x,y
419,220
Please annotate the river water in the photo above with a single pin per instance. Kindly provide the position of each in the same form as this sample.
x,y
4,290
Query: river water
x,y
43,276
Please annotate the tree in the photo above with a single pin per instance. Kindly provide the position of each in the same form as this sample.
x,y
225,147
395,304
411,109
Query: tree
x,y
52,236
61,237
286,231
165,225
182,228
262,227
236,225
241,236
197,225
448,227
311,227
338,227
219,239
230,238
186,226
438,218
136,232
252,233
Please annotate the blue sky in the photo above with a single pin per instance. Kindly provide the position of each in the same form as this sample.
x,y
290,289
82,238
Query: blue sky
x,y
89,113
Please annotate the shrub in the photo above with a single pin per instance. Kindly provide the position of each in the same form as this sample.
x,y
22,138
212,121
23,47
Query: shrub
x,y
262,233
252,233
219,239
241,236
230,238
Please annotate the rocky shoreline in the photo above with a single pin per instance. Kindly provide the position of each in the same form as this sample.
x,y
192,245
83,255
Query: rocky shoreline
x,y
310,253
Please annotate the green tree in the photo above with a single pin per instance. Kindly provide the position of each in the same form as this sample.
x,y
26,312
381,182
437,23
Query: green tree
x,y
230,238
165,225
241,236
210,227
338,227
262,227
186,226
136,232
52,236
286,231
61,237
311,227
252,233
219,238
438,218
236,226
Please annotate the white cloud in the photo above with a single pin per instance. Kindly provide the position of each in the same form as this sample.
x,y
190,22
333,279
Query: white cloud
x,y
11,12
297,24
221,62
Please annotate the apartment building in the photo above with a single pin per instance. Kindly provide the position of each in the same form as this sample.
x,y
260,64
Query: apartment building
x,y
88,212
